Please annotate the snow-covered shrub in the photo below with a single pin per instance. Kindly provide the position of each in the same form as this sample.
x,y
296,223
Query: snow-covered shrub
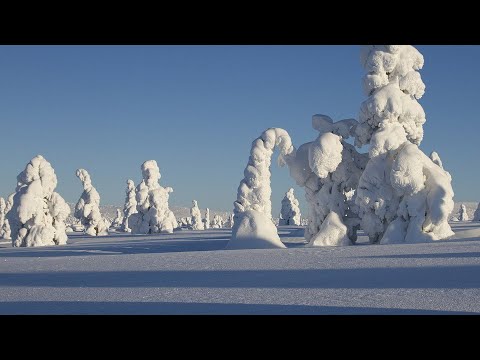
x,y
228,224
403,195
206,221
290,212
253,226
37,215
153,214
217,222
130,206
87,209
463,215
197,223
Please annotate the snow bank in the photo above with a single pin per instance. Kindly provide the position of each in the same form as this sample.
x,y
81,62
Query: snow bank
x,y
290,212
253,226
87,209
37,215
403,195
153,214
130,206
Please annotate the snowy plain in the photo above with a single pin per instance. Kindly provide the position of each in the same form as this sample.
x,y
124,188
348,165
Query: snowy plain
x,y
188,272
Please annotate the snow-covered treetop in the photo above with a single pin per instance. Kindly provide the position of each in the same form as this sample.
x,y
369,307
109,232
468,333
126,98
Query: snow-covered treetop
x,y
151,174
393,85
84,177
38,169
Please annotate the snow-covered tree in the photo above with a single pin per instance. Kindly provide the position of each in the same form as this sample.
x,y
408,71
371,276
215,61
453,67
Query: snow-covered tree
x,y
153,214
228,224
197,223
217,222
403,195
253,227
476,215
3,211
130,206
37,216
328,168
117,222
5,231
290,213
206,221
87,209
463,215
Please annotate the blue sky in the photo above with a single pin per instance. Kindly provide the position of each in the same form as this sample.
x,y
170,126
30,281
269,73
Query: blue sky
x,y
196,110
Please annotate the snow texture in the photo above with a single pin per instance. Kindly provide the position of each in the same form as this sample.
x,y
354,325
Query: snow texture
x,y
153,214
187,272
329,169
197,223
463,216
290,212
206,221
403,195
37,215
130,206
253,207
87,209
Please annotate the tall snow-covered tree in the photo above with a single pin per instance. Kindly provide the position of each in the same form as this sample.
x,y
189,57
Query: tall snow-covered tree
x,y
3,212
197,223
403,195
130,206
463,215
37,216
153,214
87,209
253,227
118,220
290,212
5,231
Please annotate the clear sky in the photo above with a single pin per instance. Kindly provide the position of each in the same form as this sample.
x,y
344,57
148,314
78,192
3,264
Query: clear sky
x,y
197,109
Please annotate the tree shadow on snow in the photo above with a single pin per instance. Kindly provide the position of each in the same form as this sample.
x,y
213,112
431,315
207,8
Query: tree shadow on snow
x,y
432,277
149,308
428,256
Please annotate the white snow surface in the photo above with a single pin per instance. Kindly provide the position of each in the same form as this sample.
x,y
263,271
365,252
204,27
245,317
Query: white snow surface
x,y
188,272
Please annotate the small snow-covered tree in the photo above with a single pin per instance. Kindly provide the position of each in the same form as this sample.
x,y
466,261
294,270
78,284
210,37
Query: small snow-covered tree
x,y
130,206
476,215
5,231
3,211
117,222
87,209
206,221
153,214
403,195
217,222
253,227
197,223
37,216
290,213
463,215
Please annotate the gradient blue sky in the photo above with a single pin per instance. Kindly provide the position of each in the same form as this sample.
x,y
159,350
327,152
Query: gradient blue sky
x,y
196,110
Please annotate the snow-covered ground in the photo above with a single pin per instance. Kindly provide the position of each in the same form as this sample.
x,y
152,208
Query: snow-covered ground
x,y
188,272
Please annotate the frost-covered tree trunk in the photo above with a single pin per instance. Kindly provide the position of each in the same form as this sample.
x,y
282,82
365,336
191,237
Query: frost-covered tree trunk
x,y
87,209
403,195
153,214
253,227
206,221
290,212
37,216
197,223
130,206
117,222
328,168
463,215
